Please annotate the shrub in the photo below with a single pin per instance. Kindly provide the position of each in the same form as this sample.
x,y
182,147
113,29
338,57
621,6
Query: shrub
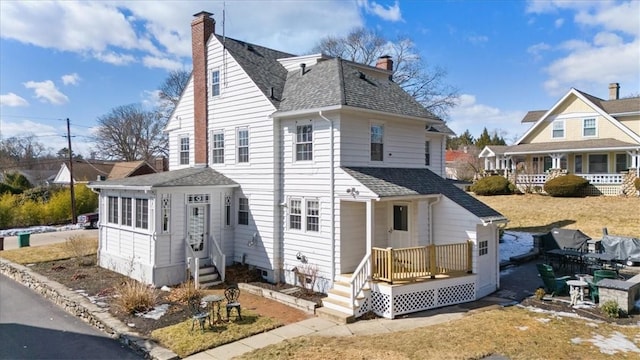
x,y
8,209
80,247
566,186
30,213
611,308
540,293
492,185
86,200
134,297
185,292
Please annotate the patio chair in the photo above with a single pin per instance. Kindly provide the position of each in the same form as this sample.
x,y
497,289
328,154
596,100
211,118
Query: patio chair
x,y
553,285
232,293
597,276
197,314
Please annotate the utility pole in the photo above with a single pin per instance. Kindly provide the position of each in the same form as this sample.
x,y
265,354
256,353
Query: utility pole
x,y
71,185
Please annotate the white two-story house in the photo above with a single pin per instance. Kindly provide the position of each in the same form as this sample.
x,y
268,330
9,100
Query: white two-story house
x,y
313,170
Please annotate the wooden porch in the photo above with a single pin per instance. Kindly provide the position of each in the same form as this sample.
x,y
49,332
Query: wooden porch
x,y
421,263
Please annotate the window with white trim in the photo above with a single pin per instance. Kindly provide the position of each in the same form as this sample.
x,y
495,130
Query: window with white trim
x,y
217,147
295,214
589,127
483,247
215,83
142,213
558,129
112,203
377,145
577,166
623,162
304,142
127,209
243,145
598,163
184,150
427,153
243,211
313,215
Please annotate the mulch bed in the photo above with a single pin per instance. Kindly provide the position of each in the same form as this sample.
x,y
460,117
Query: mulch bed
x,y
590,312
95,281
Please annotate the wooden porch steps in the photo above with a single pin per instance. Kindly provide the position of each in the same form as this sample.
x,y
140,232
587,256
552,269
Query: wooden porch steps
x,y
339,296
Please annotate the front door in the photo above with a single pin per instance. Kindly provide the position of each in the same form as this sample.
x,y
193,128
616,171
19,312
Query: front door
x,y
399,231
197,229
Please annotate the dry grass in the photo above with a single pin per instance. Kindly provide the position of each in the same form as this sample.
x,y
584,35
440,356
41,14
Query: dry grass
x,y
514,332
539,213
183,341
59,251
133,297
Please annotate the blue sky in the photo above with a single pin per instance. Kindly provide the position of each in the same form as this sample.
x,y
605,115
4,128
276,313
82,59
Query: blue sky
x,y
78,60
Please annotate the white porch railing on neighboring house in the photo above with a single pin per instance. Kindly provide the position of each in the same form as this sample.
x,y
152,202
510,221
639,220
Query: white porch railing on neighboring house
x,y
360,278
614,179
218,258
533,179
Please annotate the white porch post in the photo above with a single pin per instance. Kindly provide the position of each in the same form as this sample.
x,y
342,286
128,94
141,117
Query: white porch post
x,y
556,160
370,224
487,164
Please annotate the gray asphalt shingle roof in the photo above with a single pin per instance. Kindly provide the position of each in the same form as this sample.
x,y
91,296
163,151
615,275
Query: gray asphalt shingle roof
x,y
563,146
195,176
391,182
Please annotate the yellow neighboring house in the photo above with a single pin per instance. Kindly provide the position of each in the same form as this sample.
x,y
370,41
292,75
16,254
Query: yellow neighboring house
x,y
581,134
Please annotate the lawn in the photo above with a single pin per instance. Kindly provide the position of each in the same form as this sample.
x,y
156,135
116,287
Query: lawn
x,y
539,213
514,332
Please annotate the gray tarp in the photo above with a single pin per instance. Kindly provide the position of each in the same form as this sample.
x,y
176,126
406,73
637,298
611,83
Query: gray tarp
x,y
622,247
565,239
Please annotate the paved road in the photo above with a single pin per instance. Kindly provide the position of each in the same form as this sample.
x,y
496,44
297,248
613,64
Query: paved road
x,y
11,242
33,328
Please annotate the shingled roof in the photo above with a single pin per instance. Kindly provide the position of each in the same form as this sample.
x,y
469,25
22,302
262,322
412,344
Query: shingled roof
x,y
195,176
391,182
340,82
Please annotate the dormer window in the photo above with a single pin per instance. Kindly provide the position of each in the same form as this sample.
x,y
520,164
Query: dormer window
x,y
558,129
215,83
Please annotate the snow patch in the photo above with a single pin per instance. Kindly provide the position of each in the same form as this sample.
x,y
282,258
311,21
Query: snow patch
x,y
155,313
515,243
611,345
38,229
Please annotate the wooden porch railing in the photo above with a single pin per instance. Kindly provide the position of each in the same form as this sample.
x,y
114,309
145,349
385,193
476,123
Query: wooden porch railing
x,y
391,264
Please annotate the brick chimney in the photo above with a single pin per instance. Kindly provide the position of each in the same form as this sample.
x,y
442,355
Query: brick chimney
x,y
614,91
385,63
202,27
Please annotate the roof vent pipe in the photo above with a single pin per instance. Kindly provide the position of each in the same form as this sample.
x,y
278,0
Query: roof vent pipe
x,y
302,67
271,93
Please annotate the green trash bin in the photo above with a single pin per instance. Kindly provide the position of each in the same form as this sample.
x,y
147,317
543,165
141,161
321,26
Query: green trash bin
x,y
23,239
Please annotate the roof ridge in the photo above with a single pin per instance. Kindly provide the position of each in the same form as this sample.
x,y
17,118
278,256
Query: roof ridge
x,y
343,94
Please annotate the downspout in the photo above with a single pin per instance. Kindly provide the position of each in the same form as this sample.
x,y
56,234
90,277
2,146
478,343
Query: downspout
x,y
431,203
332,196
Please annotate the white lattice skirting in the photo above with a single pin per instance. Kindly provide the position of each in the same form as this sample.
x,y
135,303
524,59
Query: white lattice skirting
x,y
390,301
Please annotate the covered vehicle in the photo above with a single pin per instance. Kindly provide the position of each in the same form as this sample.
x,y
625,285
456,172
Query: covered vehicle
x,y
89,220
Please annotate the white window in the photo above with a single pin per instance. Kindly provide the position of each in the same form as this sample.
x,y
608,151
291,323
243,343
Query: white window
x,y
304,142
483,247
310,221
217,152
184,150
313,215
558,129
142,213
215,83
598,163
243,211
243,145
377,145
427,155
126,211
588,127
113,209
295,214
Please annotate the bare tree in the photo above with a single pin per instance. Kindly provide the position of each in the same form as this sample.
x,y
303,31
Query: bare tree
x,y
130,133
410,71
171,90
23,152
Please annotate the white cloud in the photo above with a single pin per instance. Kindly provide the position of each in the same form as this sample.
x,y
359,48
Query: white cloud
x,y
113,58
473,116
537,50
12,100
162,63
47,91
558,23
71,79
389,13
478,39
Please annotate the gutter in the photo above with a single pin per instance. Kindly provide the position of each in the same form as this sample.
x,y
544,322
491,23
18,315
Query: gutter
x,y
332,195
431,203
